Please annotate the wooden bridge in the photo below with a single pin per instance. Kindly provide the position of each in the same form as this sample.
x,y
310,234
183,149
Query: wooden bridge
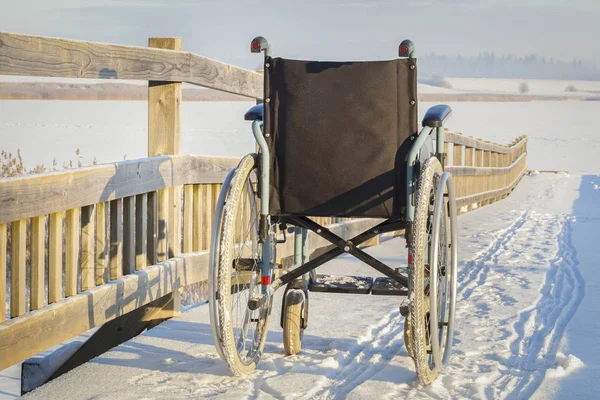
x,y
113,245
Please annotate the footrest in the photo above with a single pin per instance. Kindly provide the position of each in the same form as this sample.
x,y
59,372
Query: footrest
x,y
385,286
341,284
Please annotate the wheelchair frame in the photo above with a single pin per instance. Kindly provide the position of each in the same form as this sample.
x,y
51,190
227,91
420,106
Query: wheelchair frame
x,y
406,49
304,270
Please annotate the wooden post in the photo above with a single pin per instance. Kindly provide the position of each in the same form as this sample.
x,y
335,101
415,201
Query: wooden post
x,y
3,288
164,138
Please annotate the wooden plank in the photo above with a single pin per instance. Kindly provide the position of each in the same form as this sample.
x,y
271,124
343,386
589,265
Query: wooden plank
x,y
469,156
152,228
207,211
457,159
188,218
34,195
18,262
55,257
198,225
72,251
3,260
116,239
141,231
59,322
37,292
162,233
129,235
101,244
88,228
26,55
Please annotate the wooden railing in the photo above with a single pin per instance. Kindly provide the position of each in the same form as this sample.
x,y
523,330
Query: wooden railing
x,y
484,172
119,238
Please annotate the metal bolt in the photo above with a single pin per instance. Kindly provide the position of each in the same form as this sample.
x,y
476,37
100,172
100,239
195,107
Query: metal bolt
x,y
412,67
267,135
412,102
347,248
267,100
375,231
318,231
268,65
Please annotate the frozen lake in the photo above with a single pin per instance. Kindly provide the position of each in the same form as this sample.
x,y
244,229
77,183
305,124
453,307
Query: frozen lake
x,y
110,131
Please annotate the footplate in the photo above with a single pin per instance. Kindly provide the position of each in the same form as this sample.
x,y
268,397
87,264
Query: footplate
x,y
341,284
385,286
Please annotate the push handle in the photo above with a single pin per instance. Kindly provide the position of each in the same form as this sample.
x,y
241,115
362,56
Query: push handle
x,y
259,44
406,49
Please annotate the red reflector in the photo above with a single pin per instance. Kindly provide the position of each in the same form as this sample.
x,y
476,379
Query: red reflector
x,y
410,258
265,280
404,49
255,45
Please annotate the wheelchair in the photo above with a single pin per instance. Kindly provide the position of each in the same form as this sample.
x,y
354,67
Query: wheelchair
x,y
335,139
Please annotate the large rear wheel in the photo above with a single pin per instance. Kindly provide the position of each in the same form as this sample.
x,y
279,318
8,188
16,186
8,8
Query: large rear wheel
x,y
433,278
239,333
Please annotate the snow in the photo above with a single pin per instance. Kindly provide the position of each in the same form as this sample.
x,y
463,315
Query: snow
x,y
523,322
538,87
526,323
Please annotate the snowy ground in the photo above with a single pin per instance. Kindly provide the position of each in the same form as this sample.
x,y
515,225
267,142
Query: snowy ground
x,y
528,278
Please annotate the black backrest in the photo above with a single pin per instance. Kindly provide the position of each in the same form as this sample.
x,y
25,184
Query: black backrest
x,y
337,133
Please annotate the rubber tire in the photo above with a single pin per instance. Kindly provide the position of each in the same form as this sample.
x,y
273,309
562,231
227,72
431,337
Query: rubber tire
x,y
292,322
224,261
419,303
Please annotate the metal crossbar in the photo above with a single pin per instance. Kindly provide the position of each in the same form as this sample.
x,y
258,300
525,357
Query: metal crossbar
x,y
351,246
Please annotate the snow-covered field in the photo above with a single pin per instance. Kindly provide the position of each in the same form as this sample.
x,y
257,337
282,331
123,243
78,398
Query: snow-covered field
x,y
528,272
562,134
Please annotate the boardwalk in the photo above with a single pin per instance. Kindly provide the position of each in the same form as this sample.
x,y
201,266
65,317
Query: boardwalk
x,y
525,269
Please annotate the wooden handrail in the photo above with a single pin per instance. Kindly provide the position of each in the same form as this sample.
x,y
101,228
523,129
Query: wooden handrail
x,y
26,55
34,195
479,144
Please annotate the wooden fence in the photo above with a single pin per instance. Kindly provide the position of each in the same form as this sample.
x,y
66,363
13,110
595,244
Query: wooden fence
x,y
90,245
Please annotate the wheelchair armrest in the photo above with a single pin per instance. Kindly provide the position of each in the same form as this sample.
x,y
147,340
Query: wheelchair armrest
x,y
436,116
255,112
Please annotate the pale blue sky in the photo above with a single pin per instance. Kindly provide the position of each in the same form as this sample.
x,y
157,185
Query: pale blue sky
x,y
313,29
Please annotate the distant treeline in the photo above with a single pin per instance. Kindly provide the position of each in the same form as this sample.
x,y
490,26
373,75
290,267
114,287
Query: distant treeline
x,y
488,65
